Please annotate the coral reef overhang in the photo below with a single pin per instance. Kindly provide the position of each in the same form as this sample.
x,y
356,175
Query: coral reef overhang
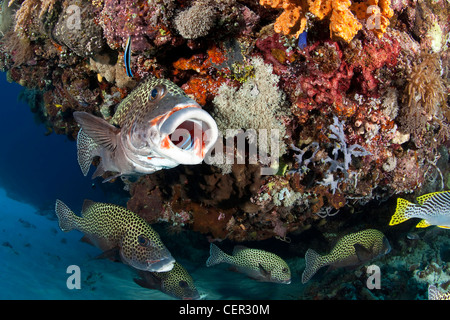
x,y
346,109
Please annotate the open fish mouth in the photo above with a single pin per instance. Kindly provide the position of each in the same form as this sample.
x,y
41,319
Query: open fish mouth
x,y
188,134
162,265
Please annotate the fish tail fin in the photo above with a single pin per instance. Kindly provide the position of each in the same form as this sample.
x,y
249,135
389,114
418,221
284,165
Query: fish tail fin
x,y
85,151
216,256
313,262
402,212
66,217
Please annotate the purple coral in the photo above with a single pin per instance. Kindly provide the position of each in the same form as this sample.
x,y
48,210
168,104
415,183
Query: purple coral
x,y
140,19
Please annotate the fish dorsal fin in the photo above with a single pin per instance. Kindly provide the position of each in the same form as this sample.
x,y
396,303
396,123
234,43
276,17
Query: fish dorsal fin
x,y
86,204
98,129
423,224
238,248
362,252
444,227
422,199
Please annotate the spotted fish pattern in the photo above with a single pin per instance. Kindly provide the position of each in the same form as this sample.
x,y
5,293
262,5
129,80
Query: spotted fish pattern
x,y
177,282
157,126
257,264
111,227
432,208
352,249
435,294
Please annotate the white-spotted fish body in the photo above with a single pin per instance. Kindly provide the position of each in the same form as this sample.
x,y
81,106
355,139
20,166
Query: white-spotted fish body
x,y
157,126
257,264
433,208
177,282
351,250
111,227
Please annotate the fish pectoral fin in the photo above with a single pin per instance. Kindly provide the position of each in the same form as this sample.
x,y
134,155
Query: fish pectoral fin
x,y
148,281
423,224
98,129
85,239
111,177
362,252
266,274
111,254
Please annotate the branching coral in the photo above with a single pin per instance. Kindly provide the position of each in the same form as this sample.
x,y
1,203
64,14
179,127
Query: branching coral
x,y
343,23
424,96
28,11
19,48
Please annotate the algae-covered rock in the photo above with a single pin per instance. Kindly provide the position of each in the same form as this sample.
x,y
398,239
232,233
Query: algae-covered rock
x,y
76,28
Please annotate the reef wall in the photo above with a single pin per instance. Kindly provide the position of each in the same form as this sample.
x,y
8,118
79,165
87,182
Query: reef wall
x,y
360,107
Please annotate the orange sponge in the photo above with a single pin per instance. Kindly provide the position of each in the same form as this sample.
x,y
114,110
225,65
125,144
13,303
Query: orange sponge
x,y
343,24
293,20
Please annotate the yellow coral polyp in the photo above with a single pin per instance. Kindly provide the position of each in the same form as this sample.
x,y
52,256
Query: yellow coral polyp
x,y
343,23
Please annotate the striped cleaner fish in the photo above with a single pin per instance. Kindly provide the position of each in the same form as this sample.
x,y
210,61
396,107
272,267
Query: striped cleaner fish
x,y
257,264
177,282
433,208
113,228
157,126
127,58
351,250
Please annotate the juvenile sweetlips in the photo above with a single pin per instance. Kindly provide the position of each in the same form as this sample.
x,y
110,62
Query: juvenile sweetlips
x,y
257,264
111,228
159,127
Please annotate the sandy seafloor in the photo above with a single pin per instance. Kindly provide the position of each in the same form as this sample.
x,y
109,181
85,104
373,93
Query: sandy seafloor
x,y
35,255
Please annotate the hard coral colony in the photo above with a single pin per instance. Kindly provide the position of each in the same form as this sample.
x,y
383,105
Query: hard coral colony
x,y
361,110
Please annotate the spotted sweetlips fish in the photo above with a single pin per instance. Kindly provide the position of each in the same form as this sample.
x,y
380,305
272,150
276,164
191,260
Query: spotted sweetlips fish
x,y
351,250
177,282
116,229
157,126
257,264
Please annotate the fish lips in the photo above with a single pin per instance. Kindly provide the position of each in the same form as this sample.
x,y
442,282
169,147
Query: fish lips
x,y
188,134
163,265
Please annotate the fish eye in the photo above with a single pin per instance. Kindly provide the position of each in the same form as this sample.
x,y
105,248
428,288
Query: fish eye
x,y
143,240
183,284
153,94
284,270
157,92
